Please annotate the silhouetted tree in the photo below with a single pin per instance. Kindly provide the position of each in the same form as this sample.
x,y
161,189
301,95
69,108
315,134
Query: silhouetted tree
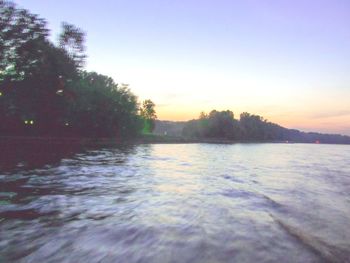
x,y
148,113
43,90
100,108
222,125
22,40
72,39
217,124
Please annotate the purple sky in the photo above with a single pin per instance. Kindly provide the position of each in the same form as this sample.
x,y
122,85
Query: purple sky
x,y
286,60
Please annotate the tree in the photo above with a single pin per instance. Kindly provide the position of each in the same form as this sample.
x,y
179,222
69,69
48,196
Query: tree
x,y
72,39
100,108
253,126
44,91
33,73
22,37
203,116
149,116
216,124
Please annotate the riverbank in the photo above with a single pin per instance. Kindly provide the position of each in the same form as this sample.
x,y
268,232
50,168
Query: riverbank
x,y
73,142
14,141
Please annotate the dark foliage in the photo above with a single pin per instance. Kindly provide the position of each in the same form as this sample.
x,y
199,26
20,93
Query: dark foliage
x,y
45,92
148,114
223,125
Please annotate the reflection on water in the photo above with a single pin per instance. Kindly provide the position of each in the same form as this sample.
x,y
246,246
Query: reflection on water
x,y
177,203
29,156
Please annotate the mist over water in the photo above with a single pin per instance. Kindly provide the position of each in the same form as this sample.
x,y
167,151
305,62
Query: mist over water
x,y
180,203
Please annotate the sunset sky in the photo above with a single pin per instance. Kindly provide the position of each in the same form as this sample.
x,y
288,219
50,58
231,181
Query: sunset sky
x,y
288,61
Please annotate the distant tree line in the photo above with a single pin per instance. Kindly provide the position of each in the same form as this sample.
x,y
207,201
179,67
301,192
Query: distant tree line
x,y
250,127
44,90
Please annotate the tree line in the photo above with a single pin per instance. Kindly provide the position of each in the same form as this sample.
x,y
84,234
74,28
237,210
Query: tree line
x,y
45,91
250,127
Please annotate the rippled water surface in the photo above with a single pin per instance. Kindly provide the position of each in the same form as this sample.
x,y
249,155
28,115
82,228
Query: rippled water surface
x,y
180,203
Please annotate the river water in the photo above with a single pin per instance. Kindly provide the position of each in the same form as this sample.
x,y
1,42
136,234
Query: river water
x,y
180,203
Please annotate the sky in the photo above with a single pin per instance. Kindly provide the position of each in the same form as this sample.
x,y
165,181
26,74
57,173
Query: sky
x,y
288,61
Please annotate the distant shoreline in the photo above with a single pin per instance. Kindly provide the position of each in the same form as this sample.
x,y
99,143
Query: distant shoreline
x,y
13,141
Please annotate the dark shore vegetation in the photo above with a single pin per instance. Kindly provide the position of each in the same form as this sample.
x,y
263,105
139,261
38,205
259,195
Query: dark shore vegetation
x,y
223,125
45,91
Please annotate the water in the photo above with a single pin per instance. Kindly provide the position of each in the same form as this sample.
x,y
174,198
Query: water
x,y
180,203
